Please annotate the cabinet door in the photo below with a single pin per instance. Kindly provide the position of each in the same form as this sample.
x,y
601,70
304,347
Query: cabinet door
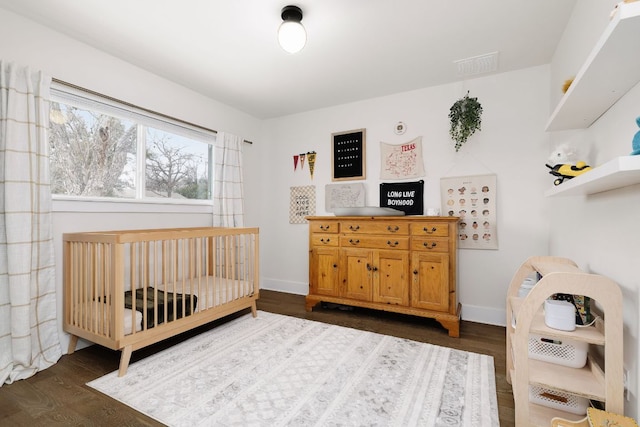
x,y
356,269
430,283
323,271
391,277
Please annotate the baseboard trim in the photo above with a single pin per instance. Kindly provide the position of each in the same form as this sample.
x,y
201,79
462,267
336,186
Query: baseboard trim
x,y
471,313
296,288
487,315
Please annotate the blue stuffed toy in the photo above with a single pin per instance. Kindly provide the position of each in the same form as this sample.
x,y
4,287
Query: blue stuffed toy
x,y
636,140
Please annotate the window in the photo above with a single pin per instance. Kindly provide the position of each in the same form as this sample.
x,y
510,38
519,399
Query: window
x,y
100,149
176,166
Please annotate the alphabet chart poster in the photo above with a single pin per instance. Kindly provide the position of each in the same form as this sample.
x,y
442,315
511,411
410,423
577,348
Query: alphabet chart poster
x,y
473,199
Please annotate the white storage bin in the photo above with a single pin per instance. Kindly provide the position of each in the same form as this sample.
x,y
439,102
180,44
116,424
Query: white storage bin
x,y
561,352
558,400
526,286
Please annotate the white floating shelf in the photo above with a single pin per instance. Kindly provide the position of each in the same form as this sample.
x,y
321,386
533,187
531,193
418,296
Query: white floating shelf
x,y
619,172
610,71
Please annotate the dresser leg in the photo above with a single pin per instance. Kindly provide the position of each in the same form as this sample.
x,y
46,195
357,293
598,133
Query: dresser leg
x,y
452,324
309,303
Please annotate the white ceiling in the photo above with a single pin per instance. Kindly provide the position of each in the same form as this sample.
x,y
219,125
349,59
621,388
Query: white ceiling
x,y
356,49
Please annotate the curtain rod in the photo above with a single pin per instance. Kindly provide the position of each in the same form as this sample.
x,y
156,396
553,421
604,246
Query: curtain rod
x,y
128,104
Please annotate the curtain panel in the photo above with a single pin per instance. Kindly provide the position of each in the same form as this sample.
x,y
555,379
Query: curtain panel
x,y
29,340
228,197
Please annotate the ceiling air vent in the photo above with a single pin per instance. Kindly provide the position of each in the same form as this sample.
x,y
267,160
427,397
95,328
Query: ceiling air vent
x,y
477,65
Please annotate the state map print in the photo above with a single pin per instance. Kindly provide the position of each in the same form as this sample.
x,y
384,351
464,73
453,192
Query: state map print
x,y
401,161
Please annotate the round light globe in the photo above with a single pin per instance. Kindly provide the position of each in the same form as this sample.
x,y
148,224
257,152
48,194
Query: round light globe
x,y
292,36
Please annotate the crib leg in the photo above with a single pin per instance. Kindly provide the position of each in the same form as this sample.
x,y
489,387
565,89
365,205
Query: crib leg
x,y
124,360
72,344
254,309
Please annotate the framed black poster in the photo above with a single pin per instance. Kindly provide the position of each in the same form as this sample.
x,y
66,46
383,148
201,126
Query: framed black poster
x,y
348,155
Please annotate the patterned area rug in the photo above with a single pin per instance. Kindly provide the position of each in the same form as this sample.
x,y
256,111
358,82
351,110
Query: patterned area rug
x,y
278,370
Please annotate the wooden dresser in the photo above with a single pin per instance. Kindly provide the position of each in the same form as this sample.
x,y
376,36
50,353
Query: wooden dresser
x,y
400,264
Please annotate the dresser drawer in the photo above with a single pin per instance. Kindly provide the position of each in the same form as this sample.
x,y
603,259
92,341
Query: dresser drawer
x,y
324,239
365,227
324,226
374,242
433,229
430,244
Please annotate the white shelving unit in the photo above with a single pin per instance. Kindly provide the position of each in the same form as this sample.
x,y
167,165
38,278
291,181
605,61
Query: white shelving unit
x,y
610,71
599,380
617,173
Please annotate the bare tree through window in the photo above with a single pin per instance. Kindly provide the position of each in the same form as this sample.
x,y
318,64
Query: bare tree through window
x,y
97,155
175,167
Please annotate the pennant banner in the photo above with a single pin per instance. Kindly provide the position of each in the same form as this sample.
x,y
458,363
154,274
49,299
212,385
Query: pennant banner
x,y
311,158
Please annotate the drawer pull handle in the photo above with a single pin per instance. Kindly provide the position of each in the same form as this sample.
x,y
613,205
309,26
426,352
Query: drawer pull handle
x,y
394,229
335,265
430,246
392,244
325,227
325,241
433,230
354,242
370,268
352,228
415,272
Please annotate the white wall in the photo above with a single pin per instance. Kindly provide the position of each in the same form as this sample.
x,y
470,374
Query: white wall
x,y
599,232
511,144
28,43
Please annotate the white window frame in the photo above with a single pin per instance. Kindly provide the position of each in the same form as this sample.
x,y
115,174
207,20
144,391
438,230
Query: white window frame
x,y
140,204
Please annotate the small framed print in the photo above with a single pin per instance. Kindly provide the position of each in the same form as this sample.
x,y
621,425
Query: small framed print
x,y
348,151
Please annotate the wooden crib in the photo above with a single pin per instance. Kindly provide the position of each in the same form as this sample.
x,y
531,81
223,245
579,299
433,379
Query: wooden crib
x,y
128,289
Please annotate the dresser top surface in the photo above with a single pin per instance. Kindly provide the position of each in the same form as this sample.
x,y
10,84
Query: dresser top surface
x,y
409,218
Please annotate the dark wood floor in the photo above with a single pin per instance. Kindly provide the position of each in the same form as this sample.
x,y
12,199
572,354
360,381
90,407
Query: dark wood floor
x,y
58,396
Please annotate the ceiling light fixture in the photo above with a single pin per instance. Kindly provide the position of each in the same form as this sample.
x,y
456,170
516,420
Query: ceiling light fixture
x,y
291,34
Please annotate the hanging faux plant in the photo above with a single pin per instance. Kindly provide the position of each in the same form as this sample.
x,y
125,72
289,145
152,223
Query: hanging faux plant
x,y
466,117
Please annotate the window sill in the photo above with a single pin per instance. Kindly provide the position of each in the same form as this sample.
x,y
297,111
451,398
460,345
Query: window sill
x,y
72,204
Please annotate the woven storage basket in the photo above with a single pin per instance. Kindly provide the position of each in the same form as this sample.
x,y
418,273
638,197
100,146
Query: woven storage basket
x,y
561,352
558,400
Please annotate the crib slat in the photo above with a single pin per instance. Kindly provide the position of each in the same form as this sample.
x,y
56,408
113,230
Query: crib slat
x,y
117,292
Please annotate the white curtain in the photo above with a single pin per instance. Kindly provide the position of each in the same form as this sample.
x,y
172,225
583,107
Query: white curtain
x,y
228,198
29,339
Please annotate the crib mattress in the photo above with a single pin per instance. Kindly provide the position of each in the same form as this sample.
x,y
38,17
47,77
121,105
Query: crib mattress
x,y
208,292
211,290
94,312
